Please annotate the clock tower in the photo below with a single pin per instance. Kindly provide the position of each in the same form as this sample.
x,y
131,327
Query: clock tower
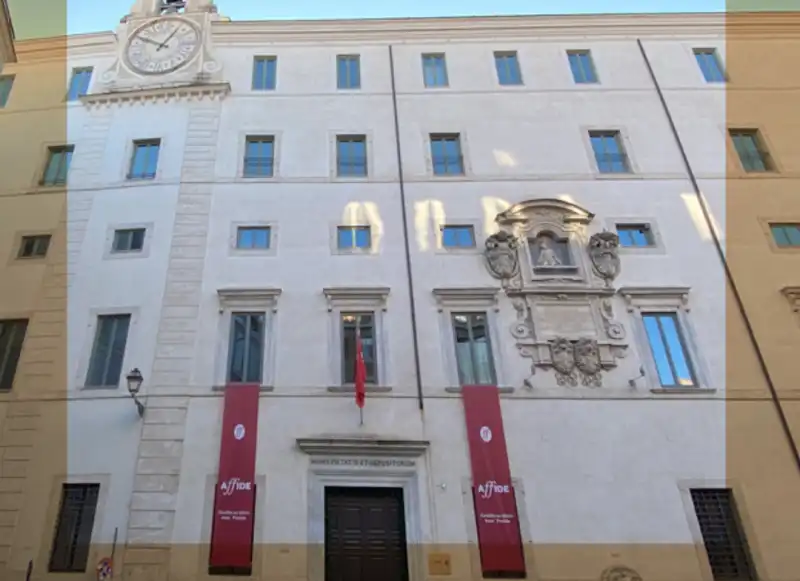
x,y
164,44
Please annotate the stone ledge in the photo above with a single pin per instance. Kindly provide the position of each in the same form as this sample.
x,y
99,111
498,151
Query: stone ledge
x,y
261,388
352,389
503,389
361,446
684,390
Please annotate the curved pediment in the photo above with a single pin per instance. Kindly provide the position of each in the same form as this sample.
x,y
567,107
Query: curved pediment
x,y
545,209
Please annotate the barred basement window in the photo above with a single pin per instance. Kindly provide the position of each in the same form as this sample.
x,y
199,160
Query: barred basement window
x,y
73,535
723,537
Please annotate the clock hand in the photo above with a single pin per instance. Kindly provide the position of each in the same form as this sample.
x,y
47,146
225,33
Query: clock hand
x,y
166,40
149,40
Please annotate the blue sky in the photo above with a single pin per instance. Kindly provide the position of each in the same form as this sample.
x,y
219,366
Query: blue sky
x,y
97,15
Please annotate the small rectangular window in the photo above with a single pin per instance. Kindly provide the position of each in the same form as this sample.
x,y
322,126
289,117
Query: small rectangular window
x,y
582,66
710,65
749,147
6,83
108,351
351,237
458,236
79,83
434,70
34,246
144,162
507,65
669,350
253,237
259,156
353,325
73,534
635,235
609,152
265,70
128,240
246,348
348,71
446,155
723,536
786,235
57,166
473,349
351,156
12,336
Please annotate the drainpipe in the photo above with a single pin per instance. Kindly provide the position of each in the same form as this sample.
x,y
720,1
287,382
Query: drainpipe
x,y
721,253
406,242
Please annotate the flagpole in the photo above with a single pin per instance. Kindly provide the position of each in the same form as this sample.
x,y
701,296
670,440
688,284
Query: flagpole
x,y
359,350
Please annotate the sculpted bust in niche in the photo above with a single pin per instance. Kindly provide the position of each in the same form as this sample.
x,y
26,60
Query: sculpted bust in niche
x,y
550,253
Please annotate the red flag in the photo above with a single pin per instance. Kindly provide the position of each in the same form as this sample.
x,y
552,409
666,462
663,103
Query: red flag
x,y
361,373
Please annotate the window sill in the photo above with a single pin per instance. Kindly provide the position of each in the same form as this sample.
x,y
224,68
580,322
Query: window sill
x,y
261,388
98,387
683,390
352,389
500,389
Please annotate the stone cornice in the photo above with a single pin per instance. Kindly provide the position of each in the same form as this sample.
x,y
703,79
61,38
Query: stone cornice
x,y
158,94
361,446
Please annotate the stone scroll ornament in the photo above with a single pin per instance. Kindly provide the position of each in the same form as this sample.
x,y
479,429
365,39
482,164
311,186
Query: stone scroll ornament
x,y
604,253
620,573
501,255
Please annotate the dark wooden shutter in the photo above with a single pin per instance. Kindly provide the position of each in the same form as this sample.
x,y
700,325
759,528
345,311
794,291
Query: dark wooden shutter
x,y
12,335
73,533
723,536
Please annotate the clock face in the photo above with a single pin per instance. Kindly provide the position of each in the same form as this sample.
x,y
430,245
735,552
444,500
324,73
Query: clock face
x,y
163,46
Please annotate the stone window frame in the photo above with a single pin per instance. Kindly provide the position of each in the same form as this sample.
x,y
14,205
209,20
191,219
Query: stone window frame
x,y
333,153
792,294
767,147
128,362
766,223
463,138
15,259
357,299
233,250
671,300
257,300
477,233
651,222
108,246
241,150
469,300
334,239
626,145
127,161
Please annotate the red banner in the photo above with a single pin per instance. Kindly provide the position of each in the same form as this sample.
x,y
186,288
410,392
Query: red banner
x,y
499,538
235,495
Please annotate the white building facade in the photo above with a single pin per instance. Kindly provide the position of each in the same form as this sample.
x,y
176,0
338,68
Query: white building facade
x,y
493,201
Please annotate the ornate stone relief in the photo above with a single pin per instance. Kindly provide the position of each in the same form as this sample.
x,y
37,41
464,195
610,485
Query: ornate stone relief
x,y
501,255
604,253
620,573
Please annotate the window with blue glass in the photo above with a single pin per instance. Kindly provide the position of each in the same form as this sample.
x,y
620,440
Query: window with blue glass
x,y
253,237
259,156
144,161
580,62
57,166
353,237
434,70
6,82
669,350
608,152
446,155
246,348
79,83
786,235
507,65
752,154
635,235
473,349
108,351
351,155
458,236
348,71
710,65
265,70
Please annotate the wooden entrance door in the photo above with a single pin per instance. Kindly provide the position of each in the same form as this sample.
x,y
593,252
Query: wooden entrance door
x,y
365,534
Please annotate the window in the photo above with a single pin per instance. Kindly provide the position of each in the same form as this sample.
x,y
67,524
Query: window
x,y
253,237
34,246
635,235
105,365
265,70
669,350
722,534
458,236
351,237
12,335
473,349
752,154
708,61
79,83
580,62
259,157
145,159
362,324
348,72
507,66
351,155
786,235
57,166
434,70
73,535
128,240
6,82
246,348
608,152
446,155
